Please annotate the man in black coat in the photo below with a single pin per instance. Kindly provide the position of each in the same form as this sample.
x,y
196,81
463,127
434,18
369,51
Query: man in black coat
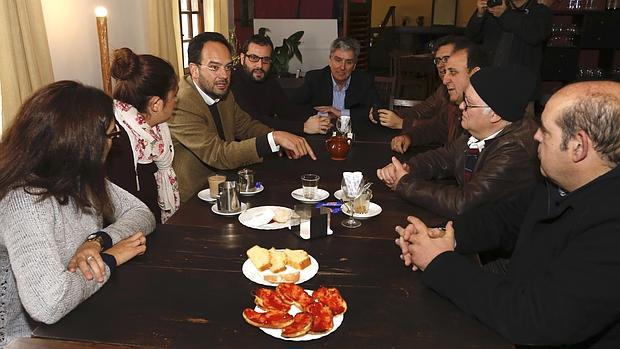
x,y
261,96
338,89
563,280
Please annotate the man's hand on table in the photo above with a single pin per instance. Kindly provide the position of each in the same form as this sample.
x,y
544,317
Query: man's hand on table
x,y
332,111
401,143
393,172
294,146
419,245
317,124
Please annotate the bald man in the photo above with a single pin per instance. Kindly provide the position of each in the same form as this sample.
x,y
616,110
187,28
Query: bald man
x,y
563,281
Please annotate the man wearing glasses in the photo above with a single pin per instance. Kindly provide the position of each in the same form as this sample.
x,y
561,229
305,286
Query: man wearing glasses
x,y
435,103
209,129
495,159
455,64
261,96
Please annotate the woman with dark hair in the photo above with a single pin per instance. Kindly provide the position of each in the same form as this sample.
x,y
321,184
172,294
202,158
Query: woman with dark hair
x,y
63,226
140,160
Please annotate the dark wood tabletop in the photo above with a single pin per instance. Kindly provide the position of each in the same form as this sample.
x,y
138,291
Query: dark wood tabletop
x,y
188,290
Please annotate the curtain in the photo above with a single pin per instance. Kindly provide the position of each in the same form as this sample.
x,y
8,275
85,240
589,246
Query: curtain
x,y
24,53
165,32
220,17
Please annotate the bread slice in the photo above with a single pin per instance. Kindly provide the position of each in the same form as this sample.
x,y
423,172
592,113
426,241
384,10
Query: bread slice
x,y
297,259
300,326
259,257
277,260
281,215
289,278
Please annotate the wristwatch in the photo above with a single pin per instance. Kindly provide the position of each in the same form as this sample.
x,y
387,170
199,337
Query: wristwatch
x,y
96,237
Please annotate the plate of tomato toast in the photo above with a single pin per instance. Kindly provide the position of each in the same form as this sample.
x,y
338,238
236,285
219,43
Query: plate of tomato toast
x,y
291,313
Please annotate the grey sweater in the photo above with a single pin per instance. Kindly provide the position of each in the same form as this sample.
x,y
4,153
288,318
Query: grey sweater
x,y
37,240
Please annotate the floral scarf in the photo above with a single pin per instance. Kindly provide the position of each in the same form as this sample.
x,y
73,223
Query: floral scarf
x,y
151,144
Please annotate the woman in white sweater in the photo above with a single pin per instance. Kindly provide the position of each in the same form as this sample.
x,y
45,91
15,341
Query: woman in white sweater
x,y
63,226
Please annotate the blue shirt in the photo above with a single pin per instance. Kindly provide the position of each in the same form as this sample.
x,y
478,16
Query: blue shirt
x,y
339,95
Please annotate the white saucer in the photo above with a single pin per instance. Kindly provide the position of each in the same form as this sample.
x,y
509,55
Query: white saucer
x,y
205,195
216,211
338,194
373,210
255,191
320,195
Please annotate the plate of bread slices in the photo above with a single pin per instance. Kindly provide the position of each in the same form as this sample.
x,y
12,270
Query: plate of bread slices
x,y
271,267
291,313
266,217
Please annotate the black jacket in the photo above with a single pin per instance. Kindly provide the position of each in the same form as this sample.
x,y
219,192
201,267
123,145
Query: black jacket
x,y
516,37
267,102
317,90
563,281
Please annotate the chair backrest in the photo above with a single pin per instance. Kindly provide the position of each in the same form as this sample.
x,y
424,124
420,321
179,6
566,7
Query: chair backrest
x,y
416,76
385,89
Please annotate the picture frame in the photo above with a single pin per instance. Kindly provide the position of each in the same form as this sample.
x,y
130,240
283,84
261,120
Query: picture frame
x,y
444,12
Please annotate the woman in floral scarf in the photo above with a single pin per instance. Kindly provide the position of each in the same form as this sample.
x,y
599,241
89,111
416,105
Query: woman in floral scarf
x,y
140,160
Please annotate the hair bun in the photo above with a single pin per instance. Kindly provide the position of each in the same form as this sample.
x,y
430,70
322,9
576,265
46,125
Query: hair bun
x,y
125,64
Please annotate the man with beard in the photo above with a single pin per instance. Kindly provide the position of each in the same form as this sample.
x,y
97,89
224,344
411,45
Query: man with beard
x,y
261,96
209,129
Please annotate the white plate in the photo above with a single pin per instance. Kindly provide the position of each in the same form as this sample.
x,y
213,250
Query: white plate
x,y
216,211
250,272
373,210
255,191
338,194
277,332
247,217
319,196
205,195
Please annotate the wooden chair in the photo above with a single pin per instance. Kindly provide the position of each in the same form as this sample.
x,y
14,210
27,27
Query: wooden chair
x,y
416,76
357,26
385,89
397,103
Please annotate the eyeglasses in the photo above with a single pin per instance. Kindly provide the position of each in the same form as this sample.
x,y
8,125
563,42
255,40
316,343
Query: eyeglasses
x,y
215,67
254,58
114,134
470,106
442,60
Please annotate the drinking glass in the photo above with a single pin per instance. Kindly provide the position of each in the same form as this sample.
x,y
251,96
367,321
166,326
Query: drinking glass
x,y
349,194
310,183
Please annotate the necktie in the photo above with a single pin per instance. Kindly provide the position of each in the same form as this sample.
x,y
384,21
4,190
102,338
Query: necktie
x,y
471,156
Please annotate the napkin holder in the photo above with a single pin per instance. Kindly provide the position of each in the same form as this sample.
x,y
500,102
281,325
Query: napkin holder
x,y
308,222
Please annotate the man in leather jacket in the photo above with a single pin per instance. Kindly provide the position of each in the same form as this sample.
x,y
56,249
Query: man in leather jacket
x,y
495,159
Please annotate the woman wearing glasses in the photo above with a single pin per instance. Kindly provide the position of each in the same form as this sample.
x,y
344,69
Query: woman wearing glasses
x,y
64,226
140,160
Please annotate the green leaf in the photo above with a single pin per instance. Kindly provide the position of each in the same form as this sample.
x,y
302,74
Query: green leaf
x,y
297,53
295,37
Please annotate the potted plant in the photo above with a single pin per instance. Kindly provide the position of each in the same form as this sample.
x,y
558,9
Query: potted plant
x,y
283,54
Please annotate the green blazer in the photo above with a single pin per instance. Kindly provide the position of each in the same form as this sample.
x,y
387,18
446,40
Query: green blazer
x,y
199,150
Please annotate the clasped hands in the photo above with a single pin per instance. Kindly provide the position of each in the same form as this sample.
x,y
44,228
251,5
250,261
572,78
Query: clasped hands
x,y
393,172
88,259
419,244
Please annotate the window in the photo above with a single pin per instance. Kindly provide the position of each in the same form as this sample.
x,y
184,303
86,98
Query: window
x,y
192,23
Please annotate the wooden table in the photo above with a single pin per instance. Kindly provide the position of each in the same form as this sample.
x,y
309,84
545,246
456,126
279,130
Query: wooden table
x,y
188,290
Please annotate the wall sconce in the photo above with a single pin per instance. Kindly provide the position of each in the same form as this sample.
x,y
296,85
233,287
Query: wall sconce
x,y
102,34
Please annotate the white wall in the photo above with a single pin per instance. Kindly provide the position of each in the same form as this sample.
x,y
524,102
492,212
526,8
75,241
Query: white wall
x,y
72,34
314,47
